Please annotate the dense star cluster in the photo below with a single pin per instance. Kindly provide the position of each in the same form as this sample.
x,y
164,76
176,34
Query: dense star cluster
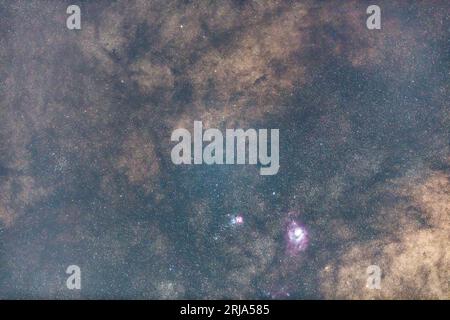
x,y
86,176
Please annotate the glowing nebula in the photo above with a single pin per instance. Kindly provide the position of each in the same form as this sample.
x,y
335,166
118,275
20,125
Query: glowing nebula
x,y
297,238
86,176
237,220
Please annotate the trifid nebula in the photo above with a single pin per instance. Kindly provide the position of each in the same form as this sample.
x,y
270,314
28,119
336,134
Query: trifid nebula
x,y
265,149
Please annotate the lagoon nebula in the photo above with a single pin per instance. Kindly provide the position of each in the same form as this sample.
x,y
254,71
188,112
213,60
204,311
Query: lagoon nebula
x,y
86,176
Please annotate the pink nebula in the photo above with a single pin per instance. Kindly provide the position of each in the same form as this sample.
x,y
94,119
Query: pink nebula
x,y
237,220
296,238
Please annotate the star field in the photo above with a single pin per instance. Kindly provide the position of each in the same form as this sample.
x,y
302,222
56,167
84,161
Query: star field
x,y
86,176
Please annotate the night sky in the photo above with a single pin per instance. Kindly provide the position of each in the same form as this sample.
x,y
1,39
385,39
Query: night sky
x,y
86,176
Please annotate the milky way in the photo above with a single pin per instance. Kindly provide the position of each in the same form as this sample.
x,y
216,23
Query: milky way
x,y
86,176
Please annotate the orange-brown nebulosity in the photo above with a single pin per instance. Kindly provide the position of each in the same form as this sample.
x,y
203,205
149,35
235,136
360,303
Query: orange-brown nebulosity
x,y
140,162
412,251
85,172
